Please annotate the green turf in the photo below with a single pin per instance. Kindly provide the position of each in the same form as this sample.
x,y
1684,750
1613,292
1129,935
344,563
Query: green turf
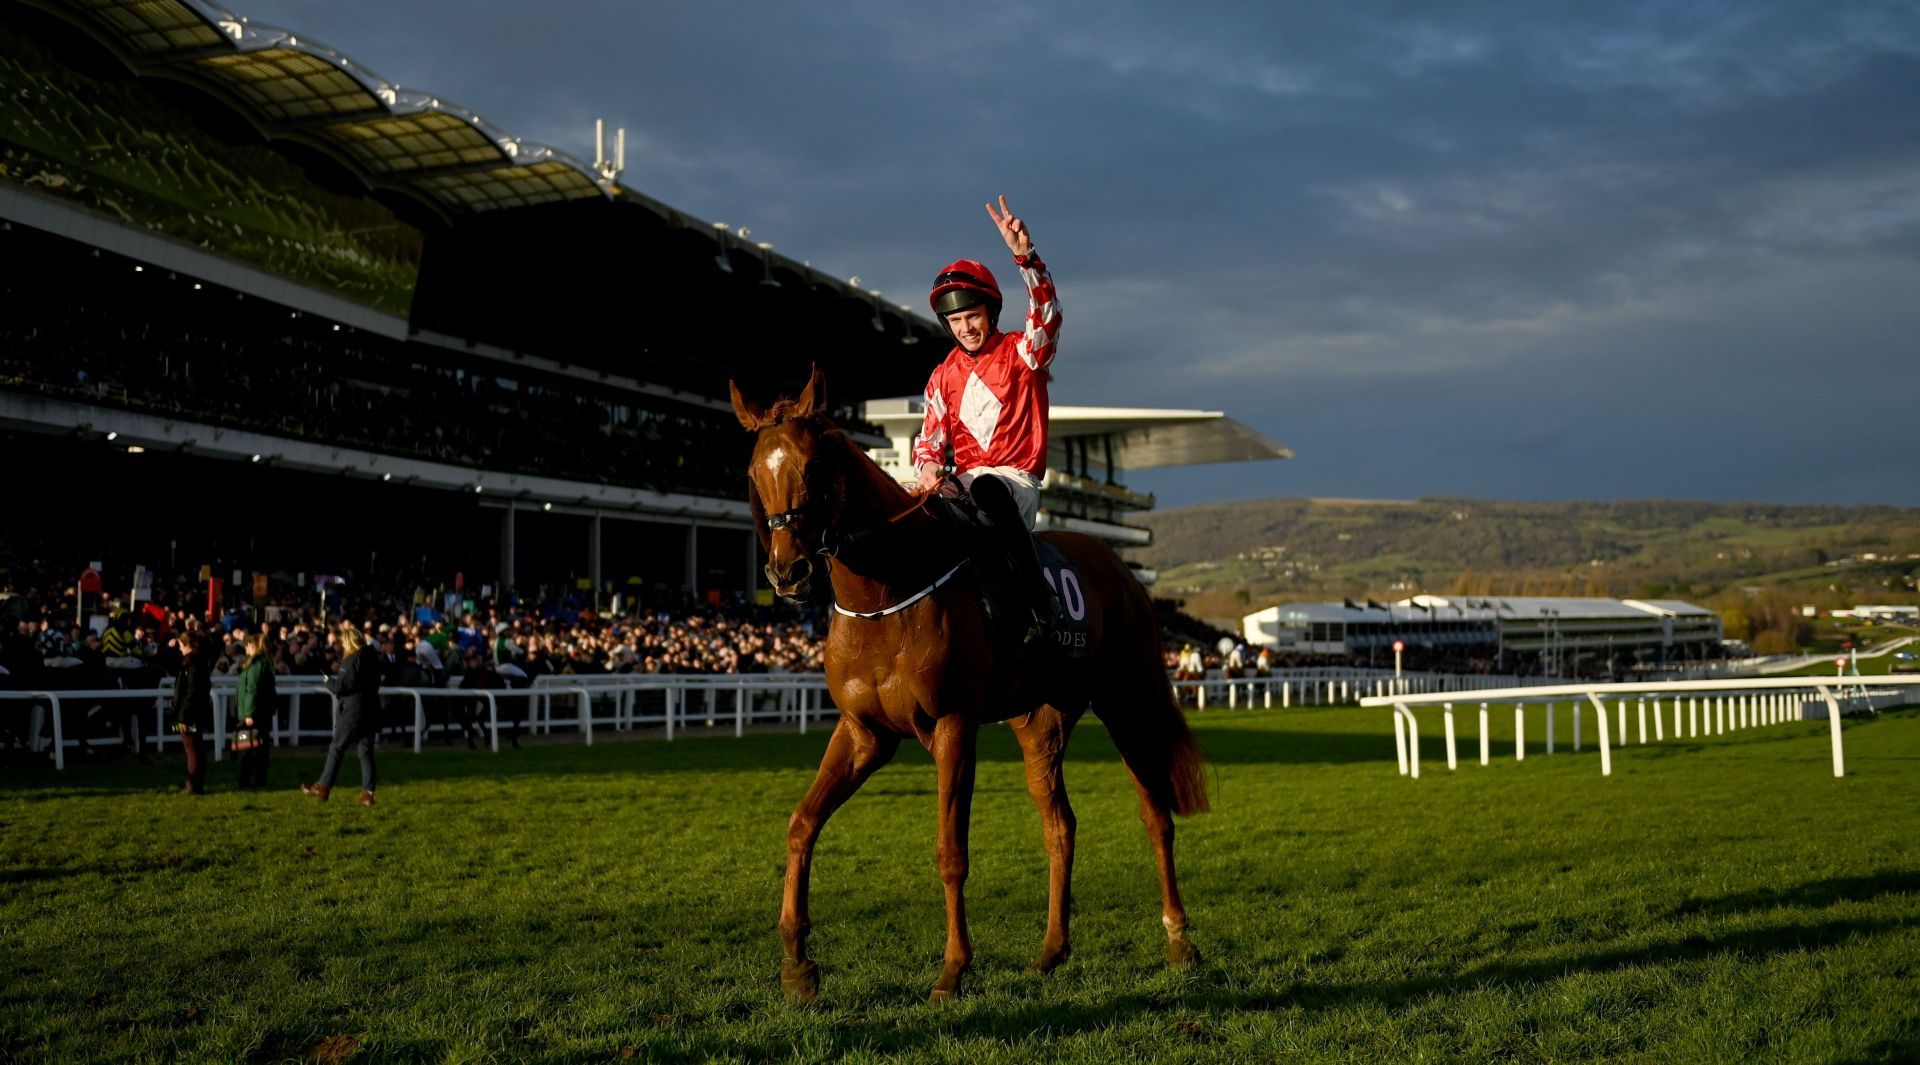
x,y
1715,900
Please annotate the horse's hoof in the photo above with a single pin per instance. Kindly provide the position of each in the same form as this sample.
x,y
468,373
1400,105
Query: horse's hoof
x,y
1051,960
801,980
1181,954
946,988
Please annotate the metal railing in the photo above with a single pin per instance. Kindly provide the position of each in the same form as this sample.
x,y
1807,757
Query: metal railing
x,y
1332,686
1712,707
620,702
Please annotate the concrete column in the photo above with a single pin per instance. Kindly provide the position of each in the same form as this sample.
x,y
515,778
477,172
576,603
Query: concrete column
x,y
593,558
693,558
506,550
753,564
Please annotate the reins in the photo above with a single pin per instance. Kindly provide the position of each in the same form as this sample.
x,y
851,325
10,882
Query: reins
x,y
843,540
832,552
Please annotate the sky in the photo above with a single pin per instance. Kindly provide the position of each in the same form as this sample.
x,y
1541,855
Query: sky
x,y
1620,250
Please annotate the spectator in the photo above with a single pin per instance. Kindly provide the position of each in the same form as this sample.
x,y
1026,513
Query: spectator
x,y
193,705
479,675
255,704
358,724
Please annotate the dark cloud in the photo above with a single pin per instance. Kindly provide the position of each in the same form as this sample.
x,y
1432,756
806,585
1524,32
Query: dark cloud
x,y
1619,250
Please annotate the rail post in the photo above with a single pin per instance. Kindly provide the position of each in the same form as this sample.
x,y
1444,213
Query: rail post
x,y
1486,738
1833,723
1413,740
1606,743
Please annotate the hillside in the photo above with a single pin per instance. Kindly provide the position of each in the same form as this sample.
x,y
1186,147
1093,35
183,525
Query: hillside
x,y
1228,558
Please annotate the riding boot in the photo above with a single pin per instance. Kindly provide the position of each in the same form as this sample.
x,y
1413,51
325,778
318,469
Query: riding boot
x,y
1002,515
1043,605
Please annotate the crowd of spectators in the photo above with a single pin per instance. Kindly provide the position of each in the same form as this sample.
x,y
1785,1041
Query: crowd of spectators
x,y
475,643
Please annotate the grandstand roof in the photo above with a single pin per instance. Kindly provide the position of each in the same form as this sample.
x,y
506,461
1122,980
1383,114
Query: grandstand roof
x,y
295,88
623,283
1487,608
1569,607
1144,438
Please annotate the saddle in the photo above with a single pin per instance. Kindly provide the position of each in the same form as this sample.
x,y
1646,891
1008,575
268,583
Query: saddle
x,y
1000,595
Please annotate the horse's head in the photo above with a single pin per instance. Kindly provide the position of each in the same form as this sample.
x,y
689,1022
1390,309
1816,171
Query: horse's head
x,y
793,482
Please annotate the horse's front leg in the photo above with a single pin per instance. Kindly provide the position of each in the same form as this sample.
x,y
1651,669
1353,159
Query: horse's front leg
x,y
853,754
954,739
1043,743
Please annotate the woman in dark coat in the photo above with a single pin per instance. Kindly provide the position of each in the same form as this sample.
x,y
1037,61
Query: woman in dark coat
x,y
193,705
358,686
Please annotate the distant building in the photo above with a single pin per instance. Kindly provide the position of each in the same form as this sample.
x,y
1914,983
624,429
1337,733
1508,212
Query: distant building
x,y
1879,613
1555,636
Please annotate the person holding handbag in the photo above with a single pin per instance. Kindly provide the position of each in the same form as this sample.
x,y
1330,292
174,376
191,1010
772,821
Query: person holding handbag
x,y
255,704
358,725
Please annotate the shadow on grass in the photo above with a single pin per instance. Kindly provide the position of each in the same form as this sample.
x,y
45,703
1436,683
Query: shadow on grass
x,y
696,753
1176,1005
1813,895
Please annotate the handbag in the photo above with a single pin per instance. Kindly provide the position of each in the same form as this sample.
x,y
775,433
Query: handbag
x,y
248,739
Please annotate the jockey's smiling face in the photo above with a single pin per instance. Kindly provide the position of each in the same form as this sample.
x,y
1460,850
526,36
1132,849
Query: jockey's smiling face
x,y
970,326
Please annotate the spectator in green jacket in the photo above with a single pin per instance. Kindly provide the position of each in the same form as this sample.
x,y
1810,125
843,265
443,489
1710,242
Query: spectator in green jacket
x,y
255,705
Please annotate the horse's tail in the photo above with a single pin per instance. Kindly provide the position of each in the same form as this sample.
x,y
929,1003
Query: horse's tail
x,y
1146,723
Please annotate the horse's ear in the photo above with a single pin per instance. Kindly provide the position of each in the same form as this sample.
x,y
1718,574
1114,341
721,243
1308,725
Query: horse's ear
x,y
813,398
751,415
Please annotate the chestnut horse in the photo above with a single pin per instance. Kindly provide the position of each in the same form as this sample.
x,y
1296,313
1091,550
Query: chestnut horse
x,y
909,654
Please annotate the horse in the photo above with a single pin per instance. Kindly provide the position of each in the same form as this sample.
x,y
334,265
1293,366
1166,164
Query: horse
x,y
910,653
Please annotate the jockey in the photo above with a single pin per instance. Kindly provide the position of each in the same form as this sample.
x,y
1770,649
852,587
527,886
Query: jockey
x,y
988,402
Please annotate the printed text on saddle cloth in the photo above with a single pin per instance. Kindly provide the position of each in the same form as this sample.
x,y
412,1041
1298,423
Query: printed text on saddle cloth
x,y
1071,633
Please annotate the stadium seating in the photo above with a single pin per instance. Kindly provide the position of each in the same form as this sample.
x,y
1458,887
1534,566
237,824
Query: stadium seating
x,y
119,149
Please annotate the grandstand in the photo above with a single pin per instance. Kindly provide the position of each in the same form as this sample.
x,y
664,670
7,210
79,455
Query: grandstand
x,y
1551,636
1089,450
246,275
233,256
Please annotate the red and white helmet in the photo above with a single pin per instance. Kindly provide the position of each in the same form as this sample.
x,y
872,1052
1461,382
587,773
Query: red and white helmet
x,y
965,283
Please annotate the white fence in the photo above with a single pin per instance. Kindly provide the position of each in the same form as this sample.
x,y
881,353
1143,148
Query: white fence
x,y
1711,708
673,703
620,702
1333,686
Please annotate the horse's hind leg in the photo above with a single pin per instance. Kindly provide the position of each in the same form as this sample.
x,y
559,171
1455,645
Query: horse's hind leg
x,y
1165,765
853,754
1043,742
1173,913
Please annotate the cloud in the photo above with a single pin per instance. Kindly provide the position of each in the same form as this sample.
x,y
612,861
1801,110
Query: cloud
x,y
1424,245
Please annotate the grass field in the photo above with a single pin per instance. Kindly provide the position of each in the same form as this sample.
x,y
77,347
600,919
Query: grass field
x,y
1718,900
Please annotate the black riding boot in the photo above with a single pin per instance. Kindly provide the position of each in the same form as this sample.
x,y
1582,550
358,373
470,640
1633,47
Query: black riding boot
x,y
1002,514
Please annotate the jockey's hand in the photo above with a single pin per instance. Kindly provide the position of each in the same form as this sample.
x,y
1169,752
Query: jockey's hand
x,y
930,478
1012,230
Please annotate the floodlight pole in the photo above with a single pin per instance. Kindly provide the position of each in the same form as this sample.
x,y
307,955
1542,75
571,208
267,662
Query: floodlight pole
x,y
609,169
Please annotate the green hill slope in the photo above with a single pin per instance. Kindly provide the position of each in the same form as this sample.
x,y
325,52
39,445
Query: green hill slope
x,y
1227,558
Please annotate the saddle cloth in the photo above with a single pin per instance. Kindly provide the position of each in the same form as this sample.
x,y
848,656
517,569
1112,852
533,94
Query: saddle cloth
x,y
1006,605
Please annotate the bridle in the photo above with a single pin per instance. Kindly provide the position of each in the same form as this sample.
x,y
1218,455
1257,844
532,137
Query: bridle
x,y
833,539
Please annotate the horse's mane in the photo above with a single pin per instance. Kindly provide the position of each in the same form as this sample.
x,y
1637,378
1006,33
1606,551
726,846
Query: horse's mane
x,y
788,410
